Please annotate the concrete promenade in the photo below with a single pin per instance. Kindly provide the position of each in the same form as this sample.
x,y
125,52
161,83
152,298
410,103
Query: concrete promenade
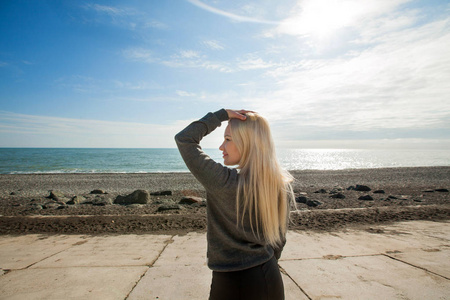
x,y
405,260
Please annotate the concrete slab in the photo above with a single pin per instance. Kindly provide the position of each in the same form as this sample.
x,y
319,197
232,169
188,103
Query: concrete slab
x,y
301,244
186,250
70,283
291,290
18,252
120,250
365,277
432,259
174,282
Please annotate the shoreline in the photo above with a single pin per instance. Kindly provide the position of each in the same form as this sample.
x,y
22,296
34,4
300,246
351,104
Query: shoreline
x,y
409,193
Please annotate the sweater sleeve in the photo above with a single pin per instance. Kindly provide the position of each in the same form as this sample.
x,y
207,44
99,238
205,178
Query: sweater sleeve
x,y
210,174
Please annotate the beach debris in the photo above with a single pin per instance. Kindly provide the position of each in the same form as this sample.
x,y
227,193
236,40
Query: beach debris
x,y
359,188
98,192
137,197
301,199
366,198
189,200
76,200
313,203
379,192
321,191
441,190
338,196
161,193
166,207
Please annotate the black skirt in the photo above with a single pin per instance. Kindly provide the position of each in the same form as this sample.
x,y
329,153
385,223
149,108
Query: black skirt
x,y
260,282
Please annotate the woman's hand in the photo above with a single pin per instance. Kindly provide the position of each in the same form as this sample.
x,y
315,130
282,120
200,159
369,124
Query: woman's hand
x,y
238,114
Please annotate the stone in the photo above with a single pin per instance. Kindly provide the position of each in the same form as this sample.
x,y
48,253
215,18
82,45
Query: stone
x,y
301,199
98,192
161,193
190,200
321,191
338,196
56,195
12,193
362,188
200,204
379,192
428,191
313,203
101,201
137,197
392,197
366,198
35,206
76,200
166,207
50,205
441,190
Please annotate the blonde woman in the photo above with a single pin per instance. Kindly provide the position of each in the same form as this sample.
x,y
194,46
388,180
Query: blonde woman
x,y
247,206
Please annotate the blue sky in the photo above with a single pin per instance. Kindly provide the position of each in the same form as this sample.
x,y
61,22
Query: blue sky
x,y
326,73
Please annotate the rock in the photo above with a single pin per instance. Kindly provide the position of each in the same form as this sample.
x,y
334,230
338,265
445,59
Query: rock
x,y
428,191
76,200
360,188
336,190
163,201
366,197
200,204
441,190
313,203
50,205
35,206
98,192
301,199
190,200
100,201
379,192
56,195
161,193
137,197
392,197
166,207
12,193
338,196
321,191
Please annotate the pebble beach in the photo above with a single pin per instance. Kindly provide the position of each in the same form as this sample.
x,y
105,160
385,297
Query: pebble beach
x,y
176,202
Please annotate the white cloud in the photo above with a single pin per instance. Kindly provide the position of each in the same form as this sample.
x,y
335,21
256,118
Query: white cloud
x,y
139,54
231,16
213,45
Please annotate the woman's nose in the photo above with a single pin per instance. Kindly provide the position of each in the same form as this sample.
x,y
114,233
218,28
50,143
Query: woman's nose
x,y
221,147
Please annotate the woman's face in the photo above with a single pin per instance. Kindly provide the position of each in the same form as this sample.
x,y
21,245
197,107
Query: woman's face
x,y
231,155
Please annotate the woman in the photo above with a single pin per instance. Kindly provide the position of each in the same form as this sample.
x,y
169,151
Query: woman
x,y
247,206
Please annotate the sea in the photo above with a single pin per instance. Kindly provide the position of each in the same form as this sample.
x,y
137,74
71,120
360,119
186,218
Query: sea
x,y
90,160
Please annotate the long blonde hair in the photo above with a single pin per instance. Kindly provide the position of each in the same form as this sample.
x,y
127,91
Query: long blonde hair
x,y
264,188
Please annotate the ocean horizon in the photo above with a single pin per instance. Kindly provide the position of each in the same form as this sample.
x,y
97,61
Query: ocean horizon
x,y
167,160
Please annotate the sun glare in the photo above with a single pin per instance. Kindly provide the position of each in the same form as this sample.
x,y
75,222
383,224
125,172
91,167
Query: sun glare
x,y
321,18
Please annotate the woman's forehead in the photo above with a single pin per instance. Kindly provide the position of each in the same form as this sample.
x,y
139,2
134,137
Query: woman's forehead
x,y
228,130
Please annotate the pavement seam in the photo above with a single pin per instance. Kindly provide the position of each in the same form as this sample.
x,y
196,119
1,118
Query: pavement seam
x,y
169,241
418,267
45,258
289,276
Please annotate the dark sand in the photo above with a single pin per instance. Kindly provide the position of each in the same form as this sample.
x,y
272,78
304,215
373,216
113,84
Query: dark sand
x,y
413,192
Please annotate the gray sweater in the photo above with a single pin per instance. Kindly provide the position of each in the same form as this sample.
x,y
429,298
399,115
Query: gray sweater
x,y
230,248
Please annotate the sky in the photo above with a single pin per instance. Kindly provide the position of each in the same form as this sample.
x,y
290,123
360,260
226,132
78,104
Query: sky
x,y
370,74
